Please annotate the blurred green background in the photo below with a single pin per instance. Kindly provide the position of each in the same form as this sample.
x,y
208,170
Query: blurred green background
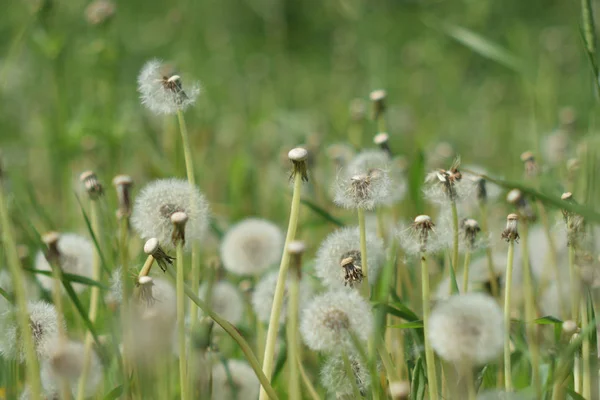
x,y
276,74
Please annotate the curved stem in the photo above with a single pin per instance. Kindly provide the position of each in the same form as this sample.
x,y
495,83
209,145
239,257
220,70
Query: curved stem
x,y
429,357
507,301
268,358
183,383
454,239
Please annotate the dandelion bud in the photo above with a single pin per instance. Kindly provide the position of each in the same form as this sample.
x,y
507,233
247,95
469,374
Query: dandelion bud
x,y
144,285
382,140
152,248
298,156
400,390
179,219
50,239
123,185
91,184
510,233
423,225
379,106
569,327
99,11
296,250
357,110
470,228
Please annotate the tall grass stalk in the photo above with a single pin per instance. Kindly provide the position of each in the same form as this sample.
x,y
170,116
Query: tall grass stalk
x,y
574,280
585,355
429,357
508,386
312,392
183,382
20,297
454,239
94,300
488,251
273,329
293,345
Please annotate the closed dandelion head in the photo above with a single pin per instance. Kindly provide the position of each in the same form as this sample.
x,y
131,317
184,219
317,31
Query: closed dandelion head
x,y
262,297
123,185
335,378
162,91
243,383
92,185
157,203
569,327
43,322
339,261
443,186
251,246
225,299
74,254
420,236
329,319
467,329
65,362
511,233
152,248
299,158
371,160
378,103
469,229
382,140
178,219
364,190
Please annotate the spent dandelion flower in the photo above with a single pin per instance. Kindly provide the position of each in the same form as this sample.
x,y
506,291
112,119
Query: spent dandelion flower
x,y
364,190
328,320
225,299
336,380
421,236
467,328
43,322
251,246
123,185
264,292
162,90
243,383
152,248
446,186
339,261
159,200
379,105
73,253
382,140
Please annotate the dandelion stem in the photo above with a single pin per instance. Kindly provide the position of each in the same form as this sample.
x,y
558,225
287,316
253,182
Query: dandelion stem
x,y
309,386
351,376
585,354
466,272
507,301
488,252
12,257
94,301
573,277
292,337
429,357
181,322
470,381
268,358
454,239
147,266
365,289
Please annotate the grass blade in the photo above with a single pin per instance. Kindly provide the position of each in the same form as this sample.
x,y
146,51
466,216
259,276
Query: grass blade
x,y
70,277
321,212
88,224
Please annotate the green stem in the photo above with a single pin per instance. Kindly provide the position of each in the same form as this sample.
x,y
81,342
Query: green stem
x,y
507,301
585,354
388,364
454,239
466,272
235,335
573,277
309,386
126,292
183,383
350,375
20,297
292,338
365,289
273,329
470,381
429,357
94,301
488,252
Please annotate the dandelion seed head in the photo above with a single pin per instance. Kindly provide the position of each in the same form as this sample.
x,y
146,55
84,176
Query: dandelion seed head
x,y
76,256
446,186
43,322
328,319
262,298
243,378
159,200
420,236
226,300
336,380
343,244
467,328
366,189
251,246
162,91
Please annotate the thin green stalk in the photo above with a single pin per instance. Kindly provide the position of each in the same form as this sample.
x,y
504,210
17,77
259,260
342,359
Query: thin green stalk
x,y
181,322
388,364
65,391
309,386
94,301
20,297
573,277
454,239
351,377
577,374
507,300
292,338
429,357
488,252
235,335
470,381
273,329
126,292
530,313
466,272
365,288
585,355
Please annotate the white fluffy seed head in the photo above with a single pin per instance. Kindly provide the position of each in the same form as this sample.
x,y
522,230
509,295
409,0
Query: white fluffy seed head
x,y
76,257
336,380
363,189
43,322
368,160
329,318
162,92
262,298
421,236
467,329
159,200
226,300
338,246
65,361
243,383
251,246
